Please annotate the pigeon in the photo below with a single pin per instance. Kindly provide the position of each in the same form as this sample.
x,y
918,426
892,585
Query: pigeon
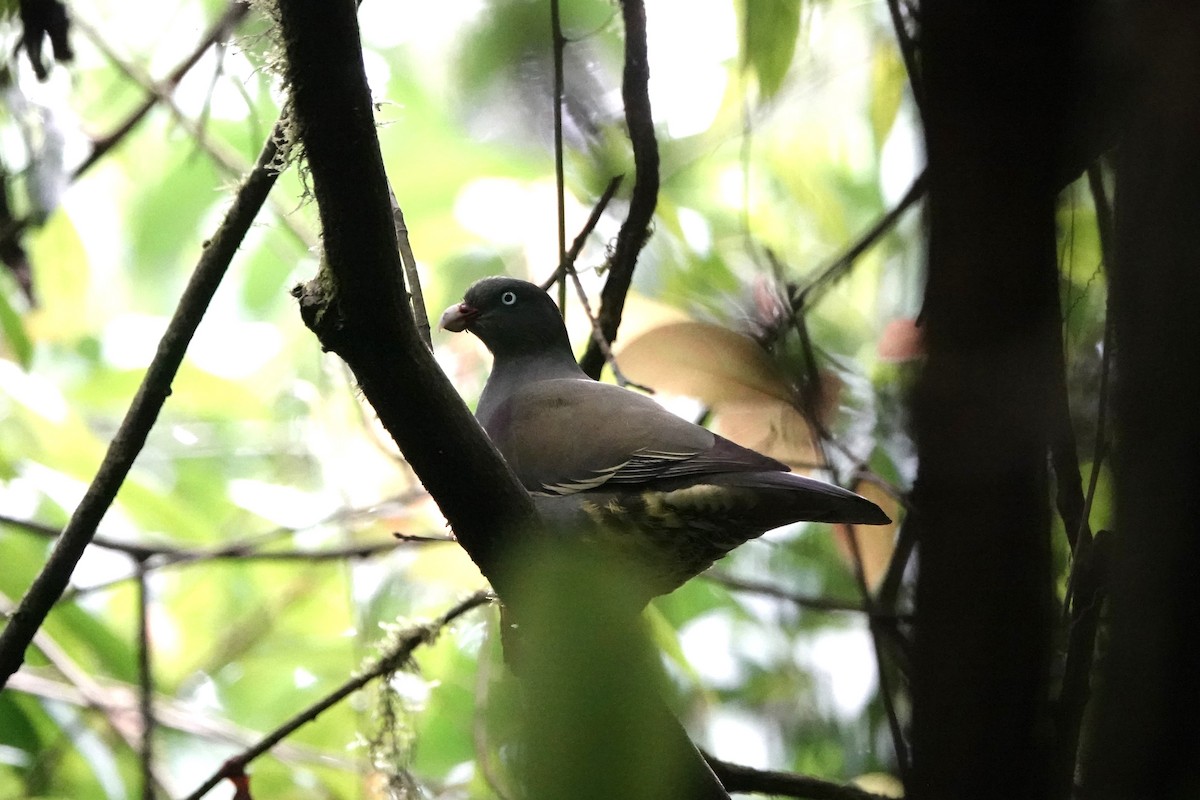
x,y
668,496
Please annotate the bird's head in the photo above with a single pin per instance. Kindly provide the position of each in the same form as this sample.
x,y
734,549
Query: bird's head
x,y
512,317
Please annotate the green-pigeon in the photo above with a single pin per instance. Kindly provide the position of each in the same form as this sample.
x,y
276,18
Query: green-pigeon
x,y
670,495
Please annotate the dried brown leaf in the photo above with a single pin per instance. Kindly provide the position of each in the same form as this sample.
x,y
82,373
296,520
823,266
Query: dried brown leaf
x,y
705,361
771,426
876,543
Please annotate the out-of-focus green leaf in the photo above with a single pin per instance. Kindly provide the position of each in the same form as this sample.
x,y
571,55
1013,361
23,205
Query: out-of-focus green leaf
x,y
769,29
666,638
64,282
13,329
512,32
93,751
888,78
16,729
443,740
168,218
93,642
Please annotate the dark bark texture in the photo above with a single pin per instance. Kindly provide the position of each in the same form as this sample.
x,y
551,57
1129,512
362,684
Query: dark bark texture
x,y
993,76
358,305
1146,739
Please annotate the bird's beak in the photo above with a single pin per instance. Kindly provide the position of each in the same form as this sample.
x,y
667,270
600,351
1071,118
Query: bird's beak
x,y
456,318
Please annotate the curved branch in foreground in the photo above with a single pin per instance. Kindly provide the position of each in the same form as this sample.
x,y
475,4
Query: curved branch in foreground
x,y
358,306
739,778
636,228
407,642
142,413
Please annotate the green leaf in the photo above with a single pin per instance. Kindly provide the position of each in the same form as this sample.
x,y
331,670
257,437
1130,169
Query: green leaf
x,y
887,87
768,38
12,327
63,269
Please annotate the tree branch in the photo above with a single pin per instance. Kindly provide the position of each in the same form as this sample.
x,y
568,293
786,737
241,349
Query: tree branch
x,y
559,43
1144,732
358,306
234,13
636,229
830,274
145,683
131,435
389,662
739,778
984,601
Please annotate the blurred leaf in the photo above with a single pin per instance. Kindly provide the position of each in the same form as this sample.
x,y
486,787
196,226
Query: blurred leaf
x,y
93,643
96,753
880,783
888,78
16,729
64,282
901,340
13,329
876,543
665,637
595,724
169,216
769,32
731,367
772,427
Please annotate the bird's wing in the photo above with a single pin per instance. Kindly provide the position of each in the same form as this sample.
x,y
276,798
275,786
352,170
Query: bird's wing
x,y
570,435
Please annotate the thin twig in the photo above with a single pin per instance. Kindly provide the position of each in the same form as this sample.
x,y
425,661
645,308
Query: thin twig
x,y
1086,586
408,642
89,692
559,43
118,703
145,683
813,602
809,401
151,395
908,51
412,281
568,261
829,275
642,202
885,688
567,267
226,159
739,778
234,13
238,554
248,548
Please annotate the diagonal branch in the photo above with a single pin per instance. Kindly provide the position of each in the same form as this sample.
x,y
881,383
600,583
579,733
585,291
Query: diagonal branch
x,y
151,395
636,229
358,304
408,642
739,778
830,274
234,13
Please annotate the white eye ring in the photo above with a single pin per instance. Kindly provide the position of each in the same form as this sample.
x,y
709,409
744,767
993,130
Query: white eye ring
x,y
508,298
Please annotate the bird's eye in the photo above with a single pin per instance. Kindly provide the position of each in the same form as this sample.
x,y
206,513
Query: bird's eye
x,y
508,298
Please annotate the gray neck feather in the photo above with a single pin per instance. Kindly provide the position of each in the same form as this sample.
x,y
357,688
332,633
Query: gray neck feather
x,y
511,372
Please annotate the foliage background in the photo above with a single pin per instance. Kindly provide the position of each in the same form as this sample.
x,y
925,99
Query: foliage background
x,y
786,130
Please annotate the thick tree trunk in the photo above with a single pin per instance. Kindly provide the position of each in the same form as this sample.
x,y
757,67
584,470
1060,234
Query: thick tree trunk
x,y
993,73
1146,741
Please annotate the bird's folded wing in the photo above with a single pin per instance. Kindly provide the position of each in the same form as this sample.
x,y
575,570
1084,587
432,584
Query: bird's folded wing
x,y
570,435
